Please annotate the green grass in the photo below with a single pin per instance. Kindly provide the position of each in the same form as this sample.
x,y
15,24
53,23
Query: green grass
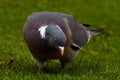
x,y
99,59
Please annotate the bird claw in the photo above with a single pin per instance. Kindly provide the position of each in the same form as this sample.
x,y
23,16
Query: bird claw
x,y
41,70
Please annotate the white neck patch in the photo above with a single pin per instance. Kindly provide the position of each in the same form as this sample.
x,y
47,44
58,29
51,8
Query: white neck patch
x,y
42,30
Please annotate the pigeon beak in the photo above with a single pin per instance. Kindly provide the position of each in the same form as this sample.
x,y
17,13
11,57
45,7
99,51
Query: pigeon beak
x,y
61,50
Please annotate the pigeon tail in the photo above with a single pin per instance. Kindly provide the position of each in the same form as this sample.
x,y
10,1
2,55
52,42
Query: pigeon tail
x,y
86,25
94,32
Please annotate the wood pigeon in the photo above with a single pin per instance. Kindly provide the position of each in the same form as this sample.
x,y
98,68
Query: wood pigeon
x,y
55,35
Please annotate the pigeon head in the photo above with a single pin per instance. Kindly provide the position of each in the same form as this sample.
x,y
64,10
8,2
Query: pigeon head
x,y
54,36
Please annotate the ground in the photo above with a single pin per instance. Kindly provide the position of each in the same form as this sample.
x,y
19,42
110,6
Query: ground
x,y
98,60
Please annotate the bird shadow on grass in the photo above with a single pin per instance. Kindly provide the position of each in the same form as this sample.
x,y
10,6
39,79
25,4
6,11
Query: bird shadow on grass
x,y
75,68
82,68
50,67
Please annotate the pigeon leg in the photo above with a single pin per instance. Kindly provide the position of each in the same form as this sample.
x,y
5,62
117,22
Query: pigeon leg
x,y
64,63
40,65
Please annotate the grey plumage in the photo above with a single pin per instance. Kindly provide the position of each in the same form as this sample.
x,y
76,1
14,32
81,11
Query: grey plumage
x,y
65,32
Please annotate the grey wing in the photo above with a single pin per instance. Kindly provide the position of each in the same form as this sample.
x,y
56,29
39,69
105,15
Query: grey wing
x,y
79,33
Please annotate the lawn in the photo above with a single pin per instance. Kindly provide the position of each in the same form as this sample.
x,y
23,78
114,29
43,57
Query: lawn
x,y
98,60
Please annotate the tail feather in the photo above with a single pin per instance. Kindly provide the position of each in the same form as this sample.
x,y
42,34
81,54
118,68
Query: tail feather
x,y
86,25
94,31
